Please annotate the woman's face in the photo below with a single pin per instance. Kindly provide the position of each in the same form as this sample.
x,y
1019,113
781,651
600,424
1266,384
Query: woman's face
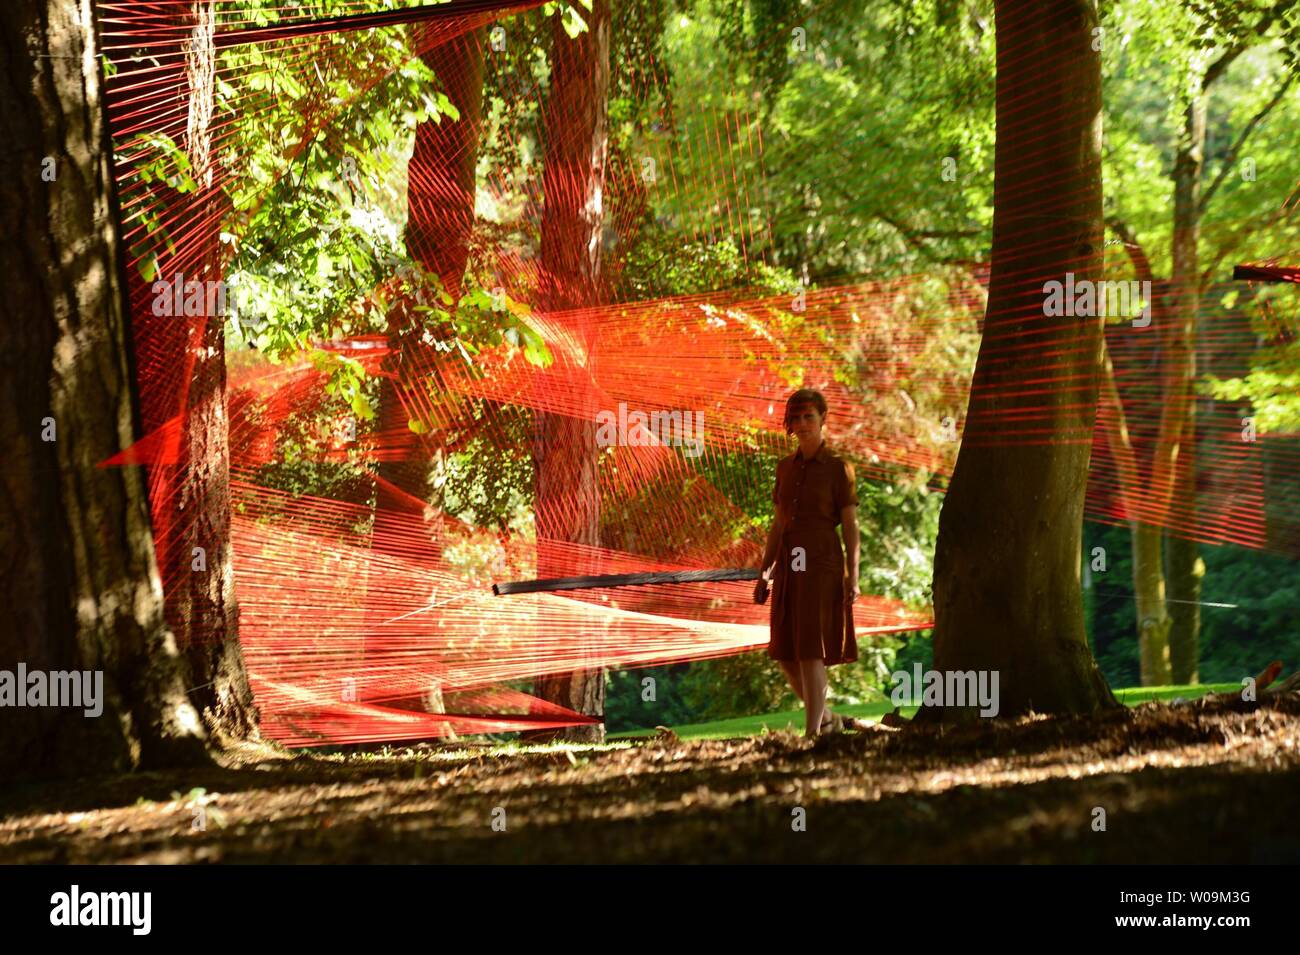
x,y
805,423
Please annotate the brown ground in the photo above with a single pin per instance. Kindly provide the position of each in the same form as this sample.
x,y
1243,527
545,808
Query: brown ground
x,y
1206,782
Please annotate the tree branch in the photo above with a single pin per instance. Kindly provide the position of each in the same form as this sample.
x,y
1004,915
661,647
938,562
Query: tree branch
x,y
1142,266
1231,159
1115,427
1136,254
915,239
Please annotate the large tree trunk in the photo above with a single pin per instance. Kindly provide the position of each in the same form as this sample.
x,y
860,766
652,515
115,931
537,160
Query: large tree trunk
x,y
190,500
566,484
77,567
1007,563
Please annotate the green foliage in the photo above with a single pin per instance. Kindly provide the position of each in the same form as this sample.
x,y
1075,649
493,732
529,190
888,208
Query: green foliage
x,y
168,164
1259,625
1269,391
1154,56
315,239
319,199
312,458
899,525
510,143
1263,626
489,482
625,705
661,264
855,128
1272,388
762,33
737,686
1156,59
347,379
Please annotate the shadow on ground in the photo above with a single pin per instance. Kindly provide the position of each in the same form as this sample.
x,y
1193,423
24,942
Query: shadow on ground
x,y
1213,781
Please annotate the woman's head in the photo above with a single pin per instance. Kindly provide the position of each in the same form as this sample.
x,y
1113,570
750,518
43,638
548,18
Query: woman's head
x,y
804,408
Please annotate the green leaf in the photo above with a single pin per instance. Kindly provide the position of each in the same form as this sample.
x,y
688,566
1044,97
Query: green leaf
x,y
538,355
447,107
361,407
148,265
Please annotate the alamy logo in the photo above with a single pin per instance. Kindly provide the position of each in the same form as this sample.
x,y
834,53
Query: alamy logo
x,y
193,298
84,688
103,908
684,429
1088,299
947,688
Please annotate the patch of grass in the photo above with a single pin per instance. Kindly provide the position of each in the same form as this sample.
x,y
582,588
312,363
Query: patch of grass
x,y
793,719
766,722
1141,694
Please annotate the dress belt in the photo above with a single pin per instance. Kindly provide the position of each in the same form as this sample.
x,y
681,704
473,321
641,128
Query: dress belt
x,y
810,522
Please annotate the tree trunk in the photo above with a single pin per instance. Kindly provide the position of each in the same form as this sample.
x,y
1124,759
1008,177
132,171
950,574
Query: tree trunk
x,y
77,567
441,188
440,196
1007,563
1151,610
565,457
1148,569
442,185
202,596
1186,569
568,510
190,500
1185,565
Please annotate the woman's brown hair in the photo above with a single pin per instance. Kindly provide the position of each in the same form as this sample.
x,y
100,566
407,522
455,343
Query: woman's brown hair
x,y
804,396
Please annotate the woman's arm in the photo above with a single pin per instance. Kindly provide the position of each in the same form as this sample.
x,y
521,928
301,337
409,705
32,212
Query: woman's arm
x,y
852,549
773,548
770,553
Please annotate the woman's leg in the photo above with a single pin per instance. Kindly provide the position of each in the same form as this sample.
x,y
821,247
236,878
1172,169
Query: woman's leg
x,y
813,677
792,674
791,668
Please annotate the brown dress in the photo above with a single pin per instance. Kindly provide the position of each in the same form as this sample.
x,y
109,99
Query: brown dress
x,y
809,619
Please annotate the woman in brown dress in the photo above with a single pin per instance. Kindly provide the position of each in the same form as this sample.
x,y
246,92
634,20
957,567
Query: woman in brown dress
x,y
812,588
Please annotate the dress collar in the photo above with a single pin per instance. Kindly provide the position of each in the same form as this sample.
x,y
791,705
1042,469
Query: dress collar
x,y
821,455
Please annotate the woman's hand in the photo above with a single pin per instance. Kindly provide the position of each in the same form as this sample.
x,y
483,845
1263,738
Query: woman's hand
x,y
851,590
760,590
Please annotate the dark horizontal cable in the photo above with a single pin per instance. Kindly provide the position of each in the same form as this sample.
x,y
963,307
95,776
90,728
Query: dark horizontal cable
x,y
1264,273
366,21
623,580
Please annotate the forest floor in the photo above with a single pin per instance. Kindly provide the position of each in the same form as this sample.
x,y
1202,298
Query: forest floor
x,y
1214,780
